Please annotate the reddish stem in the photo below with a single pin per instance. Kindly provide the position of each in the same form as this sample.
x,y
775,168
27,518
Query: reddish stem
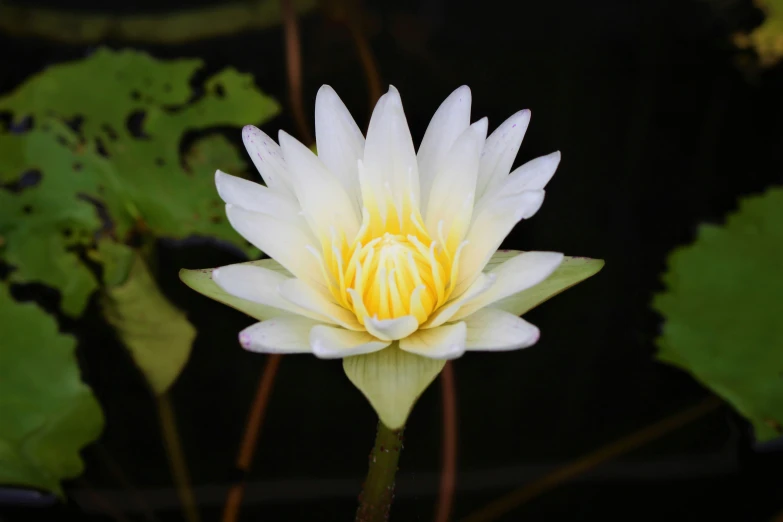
x,y
247,449
448,474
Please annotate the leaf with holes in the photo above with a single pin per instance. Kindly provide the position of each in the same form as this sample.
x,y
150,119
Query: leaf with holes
x,y
48,414
722,310
110,147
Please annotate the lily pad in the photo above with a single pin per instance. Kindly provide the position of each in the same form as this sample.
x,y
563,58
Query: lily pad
x,y
157,334
48,414
721,307
95,152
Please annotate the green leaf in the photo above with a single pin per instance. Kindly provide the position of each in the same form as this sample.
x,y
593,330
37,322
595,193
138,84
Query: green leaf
x,y
767,38
106,148
156,333
721,307
43,256
392,380
571,271
48,414
201,281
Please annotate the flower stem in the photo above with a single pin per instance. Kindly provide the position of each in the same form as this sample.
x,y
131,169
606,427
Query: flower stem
x,y
378,491
176,456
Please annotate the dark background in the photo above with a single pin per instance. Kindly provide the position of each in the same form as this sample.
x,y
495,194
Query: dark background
x,y
662,124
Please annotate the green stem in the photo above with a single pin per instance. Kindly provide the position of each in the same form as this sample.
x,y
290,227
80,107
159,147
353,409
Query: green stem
x,y
378,490
176,456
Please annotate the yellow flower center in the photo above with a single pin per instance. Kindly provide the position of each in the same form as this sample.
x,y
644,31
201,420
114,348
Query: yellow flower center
x,y
391,269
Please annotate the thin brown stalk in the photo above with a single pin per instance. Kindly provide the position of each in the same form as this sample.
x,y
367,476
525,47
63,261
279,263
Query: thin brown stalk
x,y
448,473
513,500
293,61
367,59
176,456
255,419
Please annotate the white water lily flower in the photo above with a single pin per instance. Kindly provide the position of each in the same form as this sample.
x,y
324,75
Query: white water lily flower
x,y
379,252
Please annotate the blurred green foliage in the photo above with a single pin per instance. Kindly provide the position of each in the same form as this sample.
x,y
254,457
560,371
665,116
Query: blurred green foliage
x,y
156,333
722,310
47,413
103,160
767,38
103,156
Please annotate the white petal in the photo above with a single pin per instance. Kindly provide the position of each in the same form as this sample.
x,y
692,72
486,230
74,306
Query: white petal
x,y
391,329
339,141
329,342
389,156
515,275
202,281
490,227
482,284
443,342
500,150
453,190
533,175
253,283
450,120
496,330
392,380
278,335
284,242
255,197
304,296
325,203
268,159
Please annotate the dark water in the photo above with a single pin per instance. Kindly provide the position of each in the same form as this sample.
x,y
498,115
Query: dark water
x,y
660,129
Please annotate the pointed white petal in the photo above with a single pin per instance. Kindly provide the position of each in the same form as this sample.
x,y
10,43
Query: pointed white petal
x,y
453,190
201,281
339,141
389,156
482,284
572,270
278,335
280,240
515,275
255,197
490,329
490,228
324,201
391,329
392,380
443,342
500,150
450,120
304,296
533,175
329,342
268,159
254,283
